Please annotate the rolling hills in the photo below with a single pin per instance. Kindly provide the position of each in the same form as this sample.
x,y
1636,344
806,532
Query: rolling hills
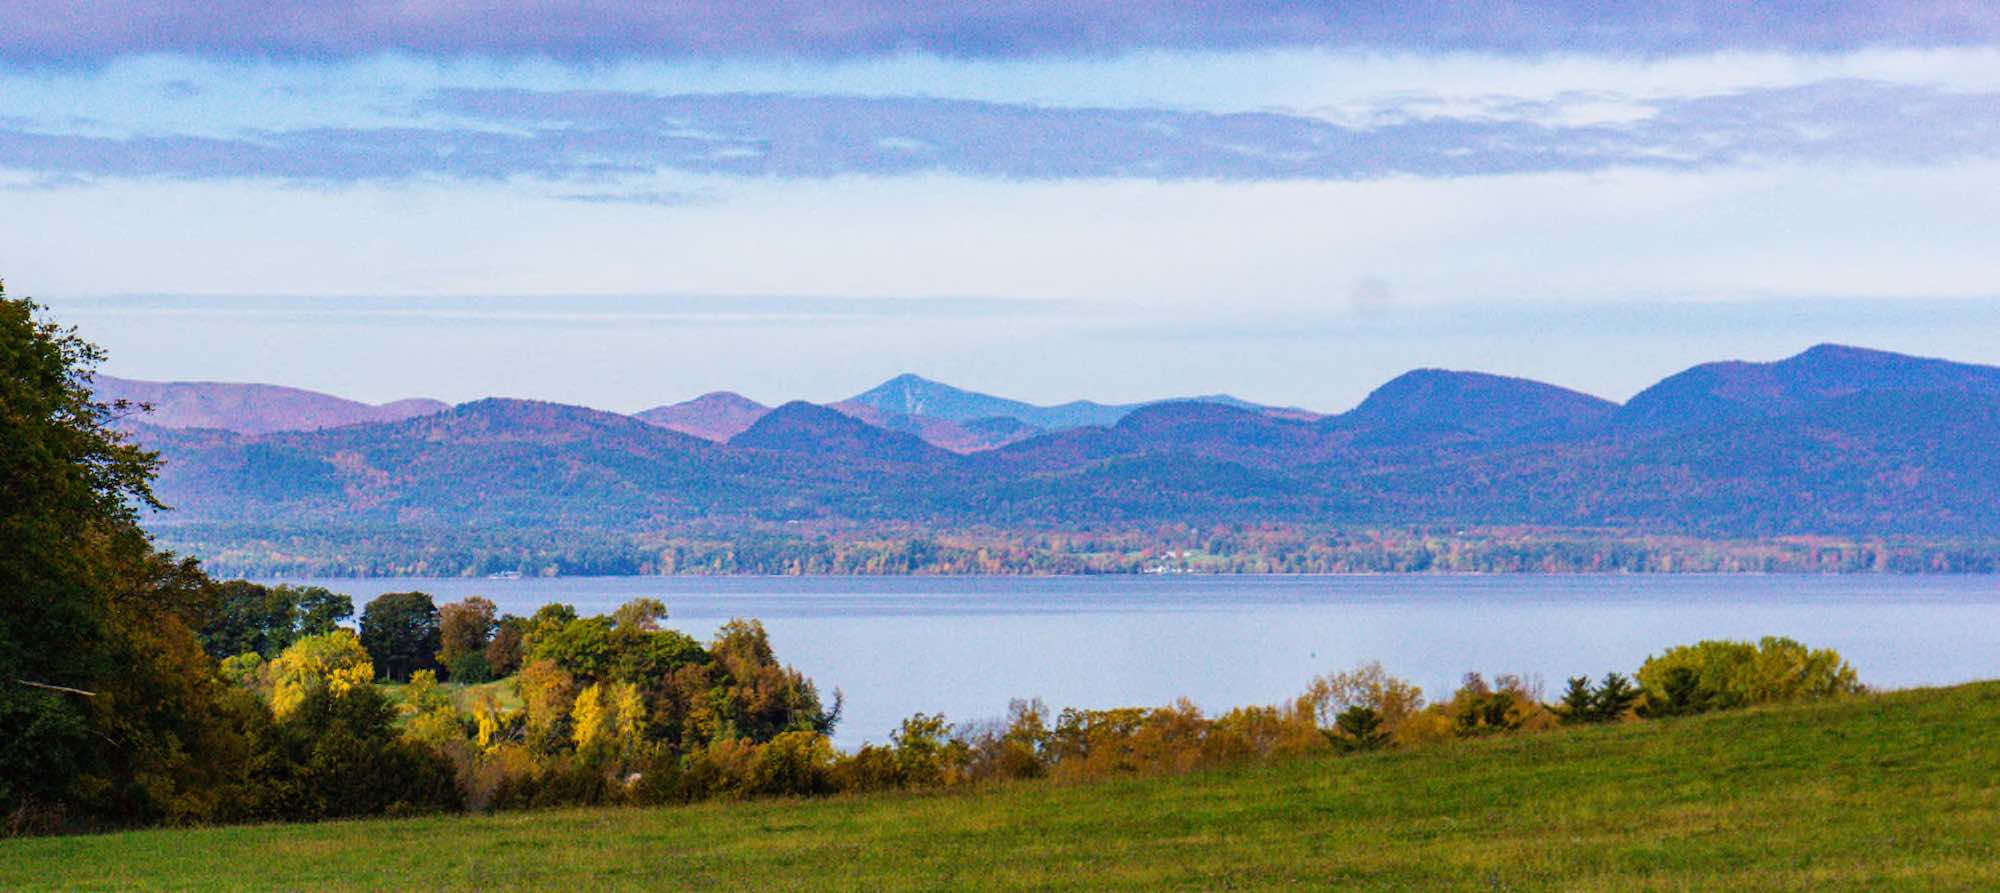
x,y
1836,441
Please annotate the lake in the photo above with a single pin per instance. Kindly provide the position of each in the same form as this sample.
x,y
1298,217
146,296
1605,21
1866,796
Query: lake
x,y
966,645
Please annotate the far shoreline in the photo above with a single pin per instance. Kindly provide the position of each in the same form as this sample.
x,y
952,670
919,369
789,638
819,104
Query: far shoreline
x,y
1199,575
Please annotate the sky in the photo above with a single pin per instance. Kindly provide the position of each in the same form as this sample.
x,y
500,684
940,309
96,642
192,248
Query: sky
x,y
623,205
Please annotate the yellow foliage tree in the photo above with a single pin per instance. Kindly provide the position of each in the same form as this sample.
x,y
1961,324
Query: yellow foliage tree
x,y
491,719
590,718
433,720
333,662
1394,700
608,718
548,695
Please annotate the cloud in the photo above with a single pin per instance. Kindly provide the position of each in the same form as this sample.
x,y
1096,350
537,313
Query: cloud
x,y
609,141
659,198
544,310
39,31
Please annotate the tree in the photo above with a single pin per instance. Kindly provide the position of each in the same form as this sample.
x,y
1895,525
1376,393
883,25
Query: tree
x,y
923,750
1367,685
645,658
547,620
762,698
464,629
334,662
503,653
1730,674
109,709
1579,701
582,647
1360,728
1615,696
639,615
400,631
608,721
246,617
548,694
1509,703
1679,694
339,754
320,610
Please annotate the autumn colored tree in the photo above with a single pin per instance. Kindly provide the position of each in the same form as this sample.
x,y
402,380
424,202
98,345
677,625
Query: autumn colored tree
x,y
1720,675
1393,700
465,628
608,721
503,652
548,692
110,712
334,662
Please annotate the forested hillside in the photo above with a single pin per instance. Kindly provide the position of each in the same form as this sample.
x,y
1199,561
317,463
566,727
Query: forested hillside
x,y
1837,442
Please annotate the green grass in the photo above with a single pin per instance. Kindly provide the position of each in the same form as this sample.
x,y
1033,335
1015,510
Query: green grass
x,y
1895,792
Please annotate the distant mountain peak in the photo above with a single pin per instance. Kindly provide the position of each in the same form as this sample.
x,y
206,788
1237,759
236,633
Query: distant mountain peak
x,y
910,394
1834,349
1424,403
513,414
809,428
1728,391
716,415
913,394
251,408
724,398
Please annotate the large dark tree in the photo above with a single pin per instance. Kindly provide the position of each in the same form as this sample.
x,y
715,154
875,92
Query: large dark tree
x,y
108,708
248,617
320,609
400,631
465,628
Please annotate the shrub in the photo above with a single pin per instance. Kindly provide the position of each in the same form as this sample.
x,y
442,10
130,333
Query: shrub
x,y
1720,675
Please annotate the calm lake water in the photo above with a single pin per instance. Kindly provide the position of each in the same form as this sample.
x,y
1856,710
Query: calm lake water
x,y
965,646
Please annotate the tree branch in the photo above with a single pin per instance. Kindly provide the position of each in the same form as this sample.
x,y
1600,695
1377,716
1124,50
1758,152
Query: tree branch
x,y
60,688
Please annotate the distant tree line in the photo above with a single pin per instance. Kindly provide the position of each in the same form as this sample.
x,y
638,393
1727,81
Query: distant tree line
x,y
896,550
619,709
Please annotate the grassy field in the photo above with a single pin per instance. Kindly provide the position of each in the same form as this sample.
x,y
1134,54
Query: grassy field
x,y
1895,792
464,697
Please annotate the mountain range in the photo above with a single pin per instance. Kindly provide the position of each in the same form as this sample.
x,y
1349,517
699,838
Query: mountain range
x,y
952,418
251,408
1836,440
958,420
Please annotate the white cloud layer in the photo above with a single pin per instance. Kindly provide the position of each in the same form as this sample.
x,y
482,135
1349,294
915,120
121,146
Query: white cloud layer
x,y
1286,288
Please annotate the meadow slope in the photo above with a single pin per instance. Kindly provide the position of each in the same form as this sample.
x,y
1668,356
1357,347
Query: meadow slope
x,y
1892,792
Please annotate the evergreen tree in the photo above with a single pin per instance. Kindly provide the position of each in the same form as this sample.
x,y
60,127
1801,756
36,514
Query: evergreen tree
x,y
1680,694
1360,728
1579,701
1615,695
